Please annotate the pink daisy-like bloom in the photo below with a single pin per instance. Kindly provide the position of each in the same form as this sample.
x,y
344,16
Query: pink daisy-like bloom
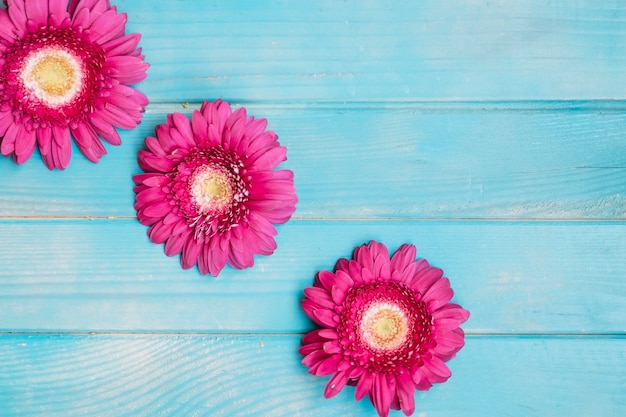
x,y
386,326
65,71
210,190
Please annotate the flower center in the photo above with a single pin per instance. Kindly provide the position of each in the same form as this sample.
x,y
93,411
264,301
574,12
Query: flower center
x,y
211,189
52,75
384,326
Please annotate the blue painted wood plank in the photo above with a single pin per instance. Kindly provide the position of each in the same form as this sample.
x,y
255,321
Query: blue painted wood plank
x,y
152,375
382,50
104,275
530,160
405,121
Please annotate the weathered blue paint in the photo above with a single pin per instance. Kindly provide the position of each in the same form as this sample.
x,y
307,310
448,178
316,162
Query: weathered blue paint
x,y
490,134
254,375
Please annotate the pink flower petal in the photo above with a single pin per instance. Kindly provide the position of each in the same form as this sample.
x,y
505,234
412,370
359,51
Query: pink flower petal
x,y
7,29
37,11
315,358
117,117
184,136
254,127
336,384
438,368
212,260
382,394
234,130
452,338
61,147
364,256
309,348
439,294
314,336
364,386
154,146
81,19
216,114
239,257
404,256
17,13
95,6
106,26
329,365
425,278
327,279
332,347
267,158
126,98
57,12
8,141
127,69
6,120
25,145
151,179
328,334
338,293
200,128
319,296
87,141
174,245
190,252
326,317
123,45
158,209
367,276
406,393
342,265
448,343
309,307
382,265
450,316
160,232
44,137
148,161
354,270
420,380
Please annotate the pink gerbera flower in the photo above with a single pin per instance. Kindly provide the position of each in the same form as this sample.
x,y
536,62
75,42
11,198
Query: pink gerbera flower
x,y
210,190
386,326
65,69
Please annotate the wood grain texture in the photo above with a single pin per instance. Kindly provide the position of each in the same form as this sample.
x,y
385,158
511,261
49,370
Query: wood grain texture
x,y
382,50
491,134
534,160
104,275
128,375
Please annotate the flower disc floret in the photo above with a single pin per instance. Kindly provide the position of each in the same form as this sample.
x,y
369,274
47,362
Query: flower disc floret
x,y
384,327
52,75
209,188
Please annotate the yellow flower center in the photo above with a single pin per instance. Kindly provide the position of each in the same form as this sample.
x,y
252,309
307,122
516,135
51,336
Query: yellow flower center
x,y
384,326
211,189
52,75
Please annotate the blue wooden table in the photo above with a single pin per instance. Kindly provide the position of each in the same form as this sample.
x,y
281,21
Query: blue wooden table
x,y
492,135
